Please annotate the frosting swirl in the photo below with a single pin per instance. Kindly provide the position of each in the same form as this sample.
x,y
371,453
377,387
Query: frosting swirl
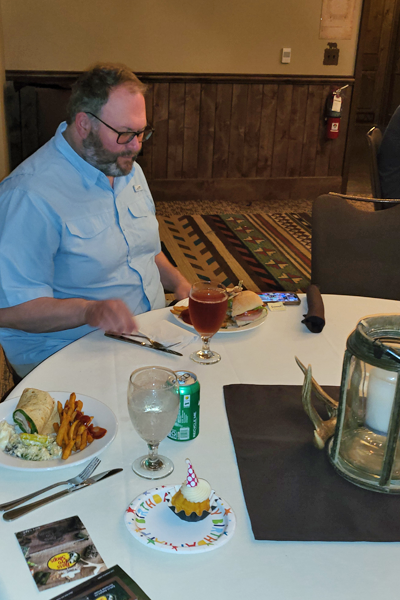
x,y
199,493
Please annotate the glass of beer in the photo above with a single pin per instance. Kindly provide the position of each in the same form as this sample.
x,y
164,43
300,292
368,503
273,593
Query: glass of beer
x,y
153,404
208,301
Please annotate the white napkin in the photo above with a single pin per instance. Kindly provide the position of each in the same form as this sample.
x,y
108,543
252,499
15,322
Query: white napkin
x,y
167,333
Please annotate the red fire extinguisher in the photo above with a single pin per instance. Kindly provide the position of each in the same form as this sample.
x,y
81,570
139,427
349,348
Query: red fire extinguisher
x,y
333,113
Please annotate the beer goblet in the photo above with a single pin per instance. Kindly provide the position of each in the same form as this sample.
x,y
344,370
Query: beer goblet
x,y
153,404
208,301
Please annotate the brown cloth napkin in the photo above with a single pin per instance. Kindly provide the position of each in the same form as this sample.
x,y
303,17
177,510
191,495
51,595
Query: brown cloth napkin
x,y
291,490
314,320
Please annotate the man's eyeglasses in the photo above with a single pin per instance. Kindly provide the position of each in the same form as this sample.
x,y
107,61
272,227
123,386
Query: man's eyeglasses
x,y
124,137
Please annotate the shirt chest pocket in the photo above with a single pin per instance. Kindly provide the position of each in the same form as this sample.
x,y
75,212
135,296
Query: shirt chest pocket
x,y
91,239
141,230
90,226
89,254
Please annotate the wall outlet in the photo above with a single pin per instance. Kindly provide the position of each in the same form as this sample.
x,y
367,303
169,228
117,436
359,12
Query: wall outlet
x,y
331,55
286,55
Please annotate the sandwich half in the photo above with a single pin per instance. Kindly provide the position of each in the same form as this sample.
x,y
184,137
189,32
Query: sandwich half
x,y
35,412
247,307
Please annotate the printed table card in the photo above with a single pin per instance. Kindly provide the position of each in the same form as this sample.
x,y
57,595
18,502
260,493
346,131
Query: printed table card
x,y
113,584
60,552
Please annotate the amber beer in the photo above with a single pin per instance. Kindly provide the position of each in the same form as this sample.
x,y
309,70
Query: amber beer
x,y
207,310
208,301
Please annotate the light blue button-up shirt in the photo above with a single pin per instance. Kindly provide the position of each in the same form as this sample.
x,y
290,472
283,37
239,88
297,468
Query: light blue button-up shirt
x,y
65,233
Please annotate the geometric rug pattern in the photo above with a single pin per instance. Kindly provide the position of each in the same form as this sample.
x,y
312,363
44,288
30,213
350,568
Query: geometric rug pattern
x,y
268,252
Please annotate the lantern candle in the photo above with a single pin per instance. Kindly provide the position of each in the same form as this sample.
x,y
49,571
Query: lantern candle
x,y
380,395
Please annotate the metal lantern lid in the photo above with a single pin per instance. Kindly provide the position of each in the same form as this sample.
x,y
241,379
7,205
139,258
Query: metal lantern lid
x,y
369,341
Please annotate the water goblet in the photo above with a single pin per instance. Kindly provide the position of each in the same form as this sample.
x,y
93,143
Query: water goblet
x,y
153,404
208,301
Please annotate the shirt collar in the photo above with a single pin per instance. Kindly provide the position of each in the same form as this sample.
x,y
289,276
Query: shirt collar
x,y
90,174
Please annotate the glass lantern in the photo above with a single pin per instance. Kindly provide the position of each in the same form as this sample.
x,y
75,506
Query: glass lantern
x,y
365,447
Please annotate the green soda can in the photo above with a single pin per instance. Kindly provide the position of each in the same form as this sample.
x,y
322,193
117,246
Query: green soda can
x,y
188,420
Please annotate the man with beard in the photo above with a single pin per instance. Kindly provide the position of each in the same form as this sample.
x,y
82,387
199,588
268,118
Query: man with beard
x,y
79,242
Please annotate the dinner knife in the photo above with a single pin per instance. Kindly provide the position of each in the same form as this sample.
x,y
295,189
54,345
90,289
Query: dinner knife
x,y
125,339
23,510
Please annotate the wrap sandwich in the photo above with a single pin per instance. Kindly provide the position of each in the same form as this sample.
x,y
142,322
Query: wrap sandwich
x,y
36,412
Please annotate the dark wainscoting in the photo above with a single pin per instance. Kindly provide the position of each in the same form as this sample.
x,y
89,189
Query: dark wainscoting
x,y
216,136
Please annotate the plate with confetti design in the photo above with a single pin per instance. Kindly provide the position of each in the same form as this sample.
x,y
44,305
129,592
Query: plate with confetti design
x,y
150,520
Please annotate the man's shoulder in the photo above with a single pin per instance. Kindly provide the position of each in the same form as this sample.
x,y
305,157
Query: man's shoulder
x,y
396,115
392,130
139,177
39,171
37,162
138,171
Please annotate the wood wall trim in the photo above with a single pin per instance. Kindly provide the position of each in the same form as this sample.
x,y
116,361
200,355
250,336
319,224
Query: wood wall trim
x,y
67,78
244,189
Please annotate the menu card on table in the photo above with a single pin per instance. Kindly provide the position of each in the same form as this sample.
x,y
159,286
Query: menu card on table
x,y
60,552
113,584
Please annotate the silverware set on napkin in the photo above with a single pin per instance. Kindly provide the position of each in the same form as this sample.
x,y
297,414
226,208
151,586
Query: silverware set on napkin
x,y
83,480
128,337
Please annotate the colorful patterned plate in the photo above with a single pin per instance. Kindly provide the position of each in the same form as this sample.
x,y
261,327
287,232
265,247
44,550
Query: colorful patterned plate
x,y
150,520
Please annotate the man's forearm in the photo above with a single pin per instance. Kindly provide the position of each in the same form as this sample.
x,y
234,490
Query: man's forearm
x,y
44,315
171,278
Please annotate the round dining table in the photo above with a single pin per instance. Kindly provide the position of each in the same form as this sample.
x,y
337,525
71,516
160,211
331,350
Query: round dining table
x,y
99,367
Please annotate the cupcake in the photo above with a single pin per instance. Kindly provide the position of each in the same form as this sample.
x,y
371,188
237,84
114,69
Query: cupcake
x,y
192,501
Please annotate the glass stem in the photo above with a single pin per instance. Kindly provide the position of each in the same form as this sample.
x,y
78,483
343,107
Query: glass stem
x,y
152,461
206,344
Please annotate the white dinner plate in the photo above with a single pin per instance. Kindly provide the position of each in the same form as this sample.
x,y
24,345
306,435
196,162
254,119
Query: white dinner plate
x,y
229,329
150,520
103,417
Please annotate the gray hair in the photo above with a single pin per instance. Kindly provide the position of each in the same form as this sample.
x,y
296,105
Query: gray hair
x,y
92,89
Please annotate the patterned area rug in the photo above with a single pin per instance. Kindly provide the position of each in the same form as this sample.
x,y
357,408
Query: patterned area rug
x,y
268,252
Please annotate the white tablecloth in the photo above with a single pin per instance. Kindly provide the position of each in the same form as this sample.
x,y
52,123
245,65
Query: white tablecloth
x,y
242,568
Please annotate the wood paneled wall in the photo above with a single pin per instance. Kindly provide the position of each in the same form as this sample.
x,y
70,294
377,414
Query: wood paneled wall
x,y
215,136
378,36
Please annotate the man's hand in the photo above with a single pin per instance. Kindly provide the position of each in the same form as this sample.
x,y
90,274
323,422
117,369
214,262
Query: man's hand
x,y
110,315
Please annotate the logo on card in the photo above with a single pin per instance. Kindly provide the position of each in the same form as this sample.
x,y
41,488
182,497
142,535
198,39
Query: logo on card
x,y
64,560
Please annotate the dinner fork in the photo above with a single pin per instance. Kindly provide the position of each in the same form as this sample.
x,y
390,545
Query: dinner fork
x,y
87,471
154,343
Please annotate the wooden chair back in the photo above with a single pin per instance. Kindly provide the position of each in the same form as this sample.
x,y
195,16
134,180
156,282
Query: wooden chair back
x,y
374,139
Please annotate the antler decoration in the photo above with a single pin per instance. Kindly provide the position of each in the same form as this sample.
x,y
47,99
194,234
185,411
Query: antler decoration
x,y
323,429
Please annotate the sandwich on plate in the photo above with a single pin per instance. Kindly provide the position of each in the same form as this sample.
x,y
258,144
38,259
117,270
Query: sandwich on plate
x,y
247,307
